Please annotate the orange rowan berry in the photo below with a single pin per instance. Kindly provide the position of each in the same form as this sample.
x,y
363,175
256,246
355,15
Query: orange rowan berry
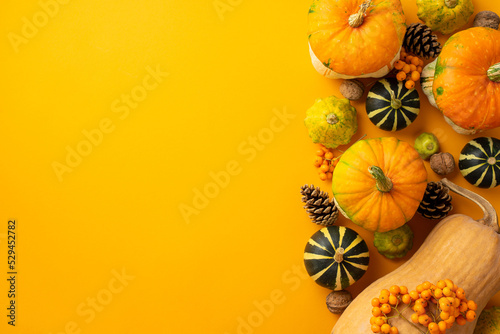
x,y
385,292
444,304
433,328
470,315
461,320
415,61
398,65
385,328
406,68
460,293
395,290
375,329
401,76
418,308
410,84
414,318
393,300
472,305
413,68
329,155
403,290
375,302
441,284
384,298
426,294
376,311
380,321
421,301
444,315
427,285
415,76
449,283
424,319
463,306
414,295
372,320
406,299
438,293
386,308
394,330
442,326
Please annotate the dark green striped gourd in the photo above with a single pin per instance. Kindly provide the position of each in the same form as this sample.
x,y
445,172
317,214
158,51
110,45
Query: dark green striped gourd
x,y
336,257
479,162
391,106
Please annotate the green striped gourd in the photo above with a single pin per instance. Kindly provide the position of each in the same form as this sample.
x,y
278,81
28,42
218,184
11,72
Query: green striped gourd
x,y
391,106
336,257
426,81
479,162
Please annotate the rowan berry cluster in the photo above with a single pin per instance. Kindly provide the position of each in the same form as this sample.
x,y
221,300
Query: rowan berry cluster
x,y
450,306
325,161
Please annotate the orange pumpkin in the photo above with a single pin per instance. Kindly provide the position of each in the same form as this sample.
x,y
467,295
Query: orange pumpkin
x,y
466,84
379,183
355,38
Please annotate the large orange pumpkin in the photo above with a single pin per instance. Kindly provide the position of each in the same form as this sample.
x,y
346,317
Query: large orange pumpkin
x,y
466,84
379,183
355,38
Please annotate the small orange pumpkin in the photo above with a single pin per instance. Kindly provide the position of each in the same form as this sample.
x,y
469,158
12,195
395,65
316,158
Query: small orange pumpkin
x,y
466,84
355,38
379,183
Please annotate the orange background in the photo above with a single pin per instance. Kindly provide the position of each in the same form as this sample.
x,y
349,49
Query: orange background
x,y
102,245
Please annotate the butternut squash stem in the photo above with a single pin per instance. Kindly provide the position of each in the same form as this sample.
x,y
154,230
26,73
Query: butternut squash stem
x,y
494,72
384,184
490,217
355,20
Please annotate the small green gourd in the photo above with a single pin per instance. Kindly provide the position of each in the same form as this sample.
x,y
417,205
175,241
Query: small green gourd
x,y
395,243
488,321
445,16
331,121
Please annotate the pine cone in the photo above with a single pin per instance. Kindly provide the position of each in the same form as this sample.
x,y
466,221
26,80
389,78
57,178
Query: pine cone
x,y
436,203
321,209
420,41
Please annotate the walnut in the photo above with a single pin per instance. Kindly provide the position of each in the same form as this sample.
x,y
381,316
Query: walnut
x,y
442,163
487,19
352,89
337,301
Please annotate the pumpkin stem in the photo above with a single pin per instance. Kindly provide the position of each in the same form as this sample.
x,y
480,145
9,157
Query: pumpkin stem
x,y
395,103
332,119
450,3
490,216
339,255
384,184
494,72
355,20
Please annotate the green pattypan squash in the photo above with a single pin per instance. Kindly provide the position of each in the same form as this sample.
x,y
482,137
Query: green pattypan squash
x,y
331,121
395,243
488,321
445,16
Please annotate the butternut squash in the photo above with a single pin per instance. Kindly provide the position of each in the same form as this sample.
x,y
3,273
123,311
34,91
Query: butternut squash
x,y
442,255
